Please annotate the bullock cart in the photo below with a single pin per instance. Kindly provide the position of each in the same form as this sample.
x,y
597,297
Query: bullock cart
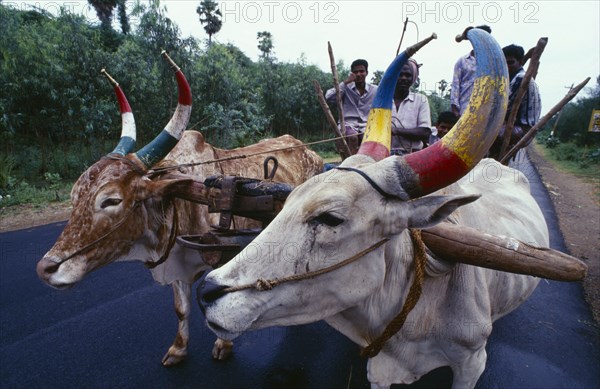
x,y
263,199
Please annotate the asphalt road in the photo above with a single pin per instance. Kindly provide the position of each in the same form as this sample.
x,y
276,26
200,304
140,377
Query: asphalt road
x,y
112,329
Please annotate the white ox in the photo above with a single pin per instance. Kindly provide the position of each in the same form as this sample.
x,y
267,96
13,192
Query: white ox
x,y
121,212
335,215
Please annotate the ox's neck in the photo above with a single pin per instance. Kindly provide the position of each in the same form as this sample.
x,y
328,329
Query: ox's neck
x,y
366,321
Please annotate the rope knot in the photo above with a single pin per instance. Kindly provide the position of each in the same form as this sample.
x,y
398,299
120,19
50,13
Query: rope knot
x,y
262,285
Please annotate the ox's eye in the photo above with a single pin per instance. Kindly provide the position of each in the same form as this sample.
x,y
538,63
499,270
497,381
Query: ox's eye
x,y
328,219
109,202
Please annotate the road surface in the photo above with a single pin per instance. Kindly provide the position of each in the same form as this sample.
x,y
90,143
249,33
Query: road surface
x,y
112,329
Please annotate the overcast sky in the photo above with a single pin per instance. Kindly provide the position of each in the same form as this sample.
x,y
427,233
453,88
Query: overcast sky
x,y
372,30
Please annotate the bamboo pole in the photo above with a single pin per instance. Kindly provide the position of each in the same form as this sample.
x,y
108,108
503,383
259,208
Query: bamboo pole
x,y
341,144
532,69
531,133
402,36
338,96
336,84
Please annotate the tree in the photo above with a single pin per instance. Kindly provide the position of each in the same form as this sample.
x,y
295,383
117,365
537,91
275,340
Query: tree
x,y
104,10
123,19
265,43
377,75
210,15
443,85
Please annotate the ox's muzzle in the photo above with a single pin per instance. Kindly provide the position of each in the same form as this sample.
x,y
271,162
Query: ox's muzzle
x,y
46,268
208,292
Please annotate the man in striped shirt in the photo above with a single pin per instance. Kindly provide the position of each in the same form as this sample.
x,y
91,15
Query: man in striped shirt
x,y
529,110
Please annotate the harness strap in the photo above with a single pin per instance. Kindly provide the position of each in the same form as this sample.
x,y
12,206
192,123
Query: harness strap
x,y
370,181
170,244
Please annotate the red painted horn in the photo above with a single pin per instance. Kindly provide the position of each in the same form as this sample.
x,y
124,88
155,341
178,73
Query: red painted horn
x,y
128,132
466,144
158,148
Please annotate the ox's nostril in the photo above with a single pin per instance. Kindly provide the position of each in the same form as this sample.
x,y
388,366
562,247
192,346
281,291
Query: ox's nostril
x,y
208,292
52,267
46,267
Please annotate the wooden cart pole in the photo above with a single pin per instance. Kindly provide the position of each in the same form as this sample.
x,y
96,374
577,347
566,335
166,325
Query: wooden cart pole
x,y
402,36
531,133
523,88
341,144
338,95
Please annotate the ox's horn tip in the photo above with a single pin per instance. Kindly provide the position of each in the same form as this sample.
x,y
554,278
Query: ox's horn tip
x,y
417,46
170,60
108,76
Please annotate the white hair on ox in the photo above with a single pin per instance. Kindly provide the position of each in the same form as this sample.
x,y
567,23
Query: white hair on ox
x,y
373,197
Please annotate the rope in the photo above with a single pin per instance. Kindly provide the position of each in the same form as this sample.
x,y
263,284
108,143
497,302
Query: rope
x,y
241,156
411,300
262,285
170,243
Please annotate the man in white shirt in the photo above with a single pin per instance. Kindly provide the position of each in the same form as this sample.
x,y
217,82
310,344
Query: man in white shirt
x,y
357,98
411,119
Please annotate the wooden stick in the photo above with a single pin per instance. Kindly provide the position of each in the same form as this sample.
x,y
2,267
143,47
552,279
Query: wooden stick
x,y
468,245
402,36
523,88
341,144
531,133
336,84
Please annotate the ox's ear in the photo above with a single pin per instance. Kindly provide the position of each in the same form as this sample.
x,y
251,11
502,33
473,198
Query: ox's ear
x,y
424,212
430,210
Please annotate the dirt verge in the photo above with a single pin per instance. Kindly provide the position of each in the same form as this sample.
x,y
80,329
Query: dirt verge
x,y
575,200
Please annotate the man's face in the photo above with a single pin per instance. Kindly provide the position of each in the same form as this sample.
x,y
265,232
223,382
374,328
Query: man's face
x,y
405,78
513,65
360,72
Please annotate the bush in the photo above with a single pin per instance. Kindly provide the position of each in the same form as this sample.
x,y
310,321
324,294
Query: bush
x,y
7,164
568,152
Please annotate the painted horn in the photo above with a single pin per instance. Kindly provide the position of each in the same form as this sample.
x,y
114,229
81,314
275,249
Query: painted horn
x,y
168,138
127,141
378,134
466,144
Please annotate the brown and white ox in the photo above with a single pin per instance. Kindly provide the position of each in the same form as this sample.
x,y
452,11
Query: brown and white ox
x,y
335,215
121,212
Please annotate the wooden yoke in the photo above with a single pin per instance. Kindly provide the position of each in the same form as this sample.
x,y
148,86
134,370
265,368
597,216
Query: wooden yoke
x,y
468,245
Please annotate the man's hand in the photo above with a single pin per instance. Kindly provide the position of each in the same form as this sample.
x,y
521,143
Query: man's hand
x,y
351,78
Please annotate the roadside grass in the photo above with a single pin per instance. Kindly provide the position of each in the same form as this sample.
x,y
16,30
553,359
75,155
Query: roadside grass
x,y
574,160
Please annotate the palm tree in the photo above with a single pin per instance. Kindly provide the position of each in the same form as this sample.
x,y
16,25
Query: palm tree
x,y
104,10
210,15
265,43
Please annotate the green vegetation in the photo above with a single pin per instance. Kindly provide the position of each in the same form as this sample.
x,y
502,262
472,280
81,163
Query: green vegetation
x,y
58,115
567,141
581,161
